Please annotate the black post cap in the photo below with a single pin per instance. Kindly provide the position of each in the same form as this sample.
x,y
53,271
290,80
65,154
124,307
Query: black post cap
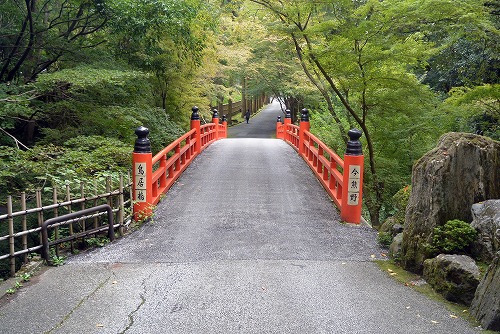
x,y
195,116
278,120
305,115
354,145
216,114
288,113
142,143
224,118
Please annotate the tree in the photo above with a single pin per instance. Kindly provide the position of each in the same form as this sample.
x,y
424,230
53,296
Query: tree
x,y
363,55
165,38
36,34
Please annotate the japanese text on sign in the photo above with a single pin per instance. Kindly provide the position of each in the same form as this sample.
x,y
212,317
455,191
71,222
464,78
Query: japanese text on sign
x,y
354,185
140,181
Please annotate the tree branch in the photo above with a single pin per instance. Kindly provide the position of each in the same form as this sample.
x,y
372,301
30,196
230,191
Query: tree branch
x,y
15,140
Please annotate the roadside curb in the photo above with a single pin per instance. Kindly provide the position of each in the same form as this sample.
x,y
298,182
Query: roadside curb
x,y
30,268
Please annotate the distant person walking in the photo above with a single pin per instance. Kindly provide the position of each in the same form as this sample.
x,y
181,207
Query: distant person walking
x,y
247,115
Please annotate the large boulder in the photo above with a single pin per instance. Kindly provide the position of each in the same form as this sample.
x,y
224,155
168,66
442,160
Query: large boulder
x,y
486,304
486,221
462,170
456,277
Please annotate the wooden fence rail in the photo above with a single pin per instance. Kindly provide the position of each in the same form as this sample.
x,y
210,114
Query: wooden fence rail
x,y
25,224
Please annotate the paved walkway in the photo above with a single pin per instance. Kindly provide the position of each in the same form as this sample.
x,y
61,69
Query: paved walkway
x,y
245,242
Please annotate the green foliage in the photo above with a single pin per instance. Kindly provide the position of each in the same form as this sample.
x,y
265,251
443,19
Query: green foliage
x,y
399,204
453,237
384,239
474,110
97,241
81,159
57,260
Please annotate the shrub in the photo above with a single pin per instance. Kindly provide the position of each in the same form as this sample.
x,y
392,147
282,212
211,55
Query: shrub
x,y
453,237
384,239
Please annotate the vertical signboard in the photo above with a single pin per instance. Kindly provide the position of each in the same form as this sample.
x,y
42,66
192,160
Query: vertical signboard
x,y
354,185
140,182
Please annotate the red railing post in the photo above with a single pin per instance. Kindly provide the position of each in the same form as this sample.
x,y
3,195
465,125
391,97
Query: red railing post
x,y
224,124
195,124
352,192
288,120
304,127
215,120
279,129
142,176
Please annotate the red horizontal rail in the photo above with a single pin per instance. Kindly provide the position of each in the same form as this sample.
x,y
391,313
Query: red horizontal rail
x,y
291,135
341,178
208,135
154,176
326,165
170,162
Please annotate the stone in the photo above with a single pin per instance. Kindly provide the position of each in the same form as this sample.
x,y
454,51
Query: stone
x,y
395,248
387,225
462,170
456,277
486,304
486,221
396,229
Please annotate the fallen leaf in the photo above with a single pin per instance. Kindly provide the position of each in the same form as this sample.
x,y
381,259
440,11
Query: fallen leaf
x,y
114,282
393,274
99,325
407,307
434,322
390,270
453,316
383,254
373,256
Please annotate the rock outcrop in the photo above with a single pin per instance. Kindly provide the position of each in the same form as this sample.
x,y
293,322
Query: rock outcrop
x,y
486,221
486,304
395,248
456,277
464,169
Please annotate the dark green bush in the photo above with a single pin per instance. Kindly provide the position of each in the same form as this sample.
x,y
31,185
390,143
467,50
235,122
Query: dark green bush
x,y
384,239
453,237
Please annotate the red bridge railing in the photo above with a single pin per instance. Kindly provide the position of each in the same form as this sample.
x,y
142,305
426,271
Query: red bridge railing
x,y
153,176
341,178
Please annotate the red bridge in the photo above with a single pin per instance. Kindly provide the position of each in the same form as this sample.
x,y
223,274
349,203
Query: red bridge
x,y
341,178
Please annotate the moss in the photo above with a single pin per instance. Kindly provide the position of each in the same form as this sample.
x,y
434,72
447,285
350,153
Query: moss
x,y
416,283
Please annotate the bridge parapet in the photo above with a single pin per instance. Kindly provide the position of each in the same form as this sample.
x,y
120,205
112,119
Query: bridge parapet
x,y
341,178
153,176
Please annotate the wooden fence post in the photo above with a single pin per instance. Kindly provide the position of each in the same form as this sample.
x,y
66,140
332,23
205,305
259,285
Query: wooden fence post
x,y
303,128
142,176
352,192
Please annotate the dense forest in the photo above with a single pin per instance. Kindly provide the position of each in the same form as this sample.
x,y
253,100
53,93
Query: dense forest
x,y
78,76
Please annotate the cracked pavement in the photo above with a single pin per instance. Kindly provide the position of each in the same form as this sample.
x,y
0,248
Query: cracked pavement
x,y
246,241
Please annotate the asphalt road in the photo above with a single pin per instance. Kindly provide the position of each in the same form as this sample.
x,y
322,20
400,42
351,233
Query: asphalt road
x,y
246,241
261,125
